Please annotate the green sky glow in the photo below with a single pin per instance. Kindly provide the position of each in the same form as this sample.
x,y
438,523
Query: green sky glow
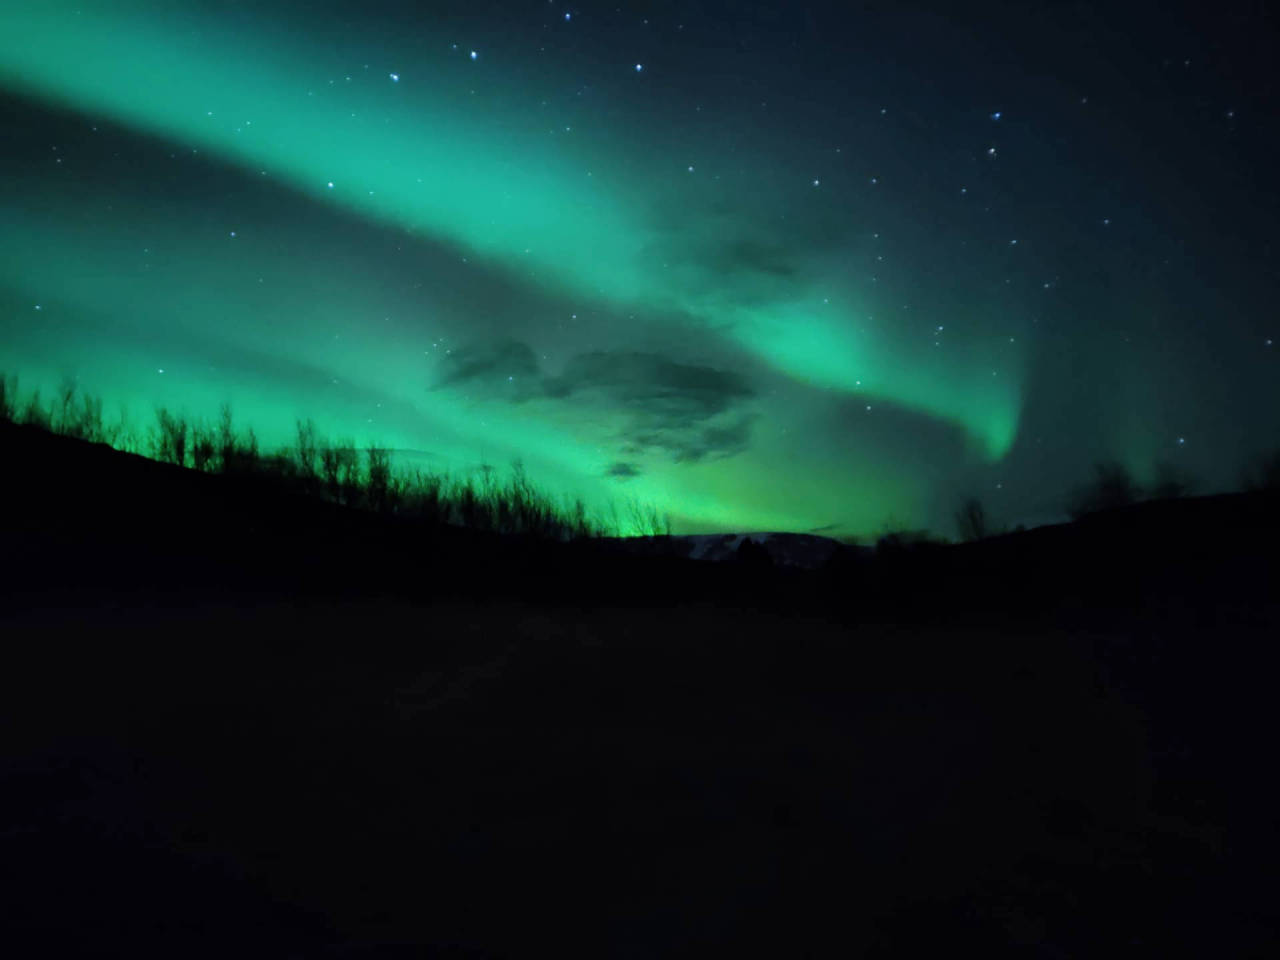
x,y
491,258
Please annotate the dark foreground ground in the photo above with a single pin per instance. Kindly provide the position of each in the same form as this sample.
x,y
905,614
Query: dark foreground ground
x,y
290,751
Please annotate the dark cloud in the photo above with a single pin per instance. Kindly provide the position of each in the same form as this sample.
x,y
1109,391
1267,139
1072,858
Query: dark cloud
x,y
689,444
686,411
667,406
622,470
750,256
665,388
719,441
492,366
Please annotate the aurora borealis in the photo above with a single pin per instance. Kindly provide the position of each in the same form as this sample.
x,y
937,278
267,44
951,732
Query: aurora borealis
x,y
821,268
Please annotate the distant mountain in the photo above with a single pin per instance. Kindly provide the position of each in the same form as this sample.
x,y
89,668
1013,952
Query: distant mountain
x,y
804,551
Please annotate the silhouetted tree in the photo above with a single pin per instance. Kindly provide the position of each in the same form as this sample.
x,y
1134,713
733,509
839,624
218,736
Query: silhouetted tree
x,y
379,487
648,521
171,440
34,413
1171,482
203,448
340,467
8,396
1262,473
308,453
1113,486
752,555
78,415
234,455
971,519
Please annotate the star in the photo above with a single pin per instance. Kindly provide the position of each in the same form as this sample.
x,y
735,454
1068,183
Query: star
x,y
395,77
639,67
474,55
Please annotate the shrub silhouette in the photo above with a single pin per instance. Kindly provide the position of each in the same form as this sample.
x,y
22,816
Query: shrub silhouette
x,y
752,556
8,397
204,447
1113,486
340,466
380,492
169,445
34,415
78,417
1262,473
316,467
423,498
308,454
647,521
235,456
971,519
1171,482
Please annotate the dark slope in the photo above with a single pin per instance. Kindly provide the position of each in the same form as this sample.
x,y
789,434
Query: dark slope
x,y
231,722
88,518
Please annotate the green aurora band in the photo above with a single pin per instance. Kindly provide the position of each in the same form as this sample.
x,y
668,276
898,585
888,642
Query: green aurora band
x,y
567,216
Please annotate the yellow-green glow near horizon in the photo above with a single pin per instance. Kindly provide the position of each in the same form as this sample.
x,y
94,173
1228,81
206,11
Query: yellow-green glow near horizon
x,y
419,138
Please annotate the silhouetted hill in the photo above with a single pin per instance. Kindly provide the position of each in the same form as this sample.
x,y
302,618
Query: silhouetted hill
x,y
80,516
234,722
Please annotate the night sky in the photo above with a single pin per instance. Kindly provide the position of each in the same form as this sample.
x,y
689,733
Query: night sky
x,y
811,267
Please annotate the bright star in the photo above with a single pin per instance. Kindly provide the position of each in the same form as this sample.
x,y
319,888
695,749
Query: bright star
x,y
474,55
996,115
395,77
329,184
